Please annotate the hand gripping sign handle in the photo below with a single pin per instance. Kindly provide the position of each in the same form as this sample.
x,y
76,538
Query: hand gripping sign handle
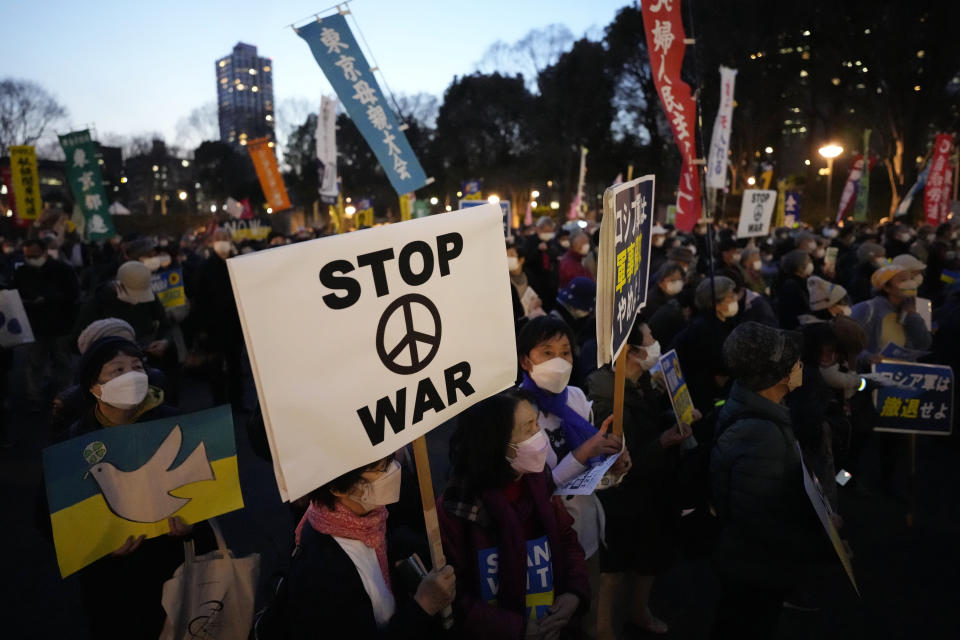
x,y
425,479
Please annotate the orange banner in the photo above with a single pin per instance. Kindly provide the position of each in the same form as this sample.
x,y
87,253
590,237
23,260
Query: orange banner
x,y
265,162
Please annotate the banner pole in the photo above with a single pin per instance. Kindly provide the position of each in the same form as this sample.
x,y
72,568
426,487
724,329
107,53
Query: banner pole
x,y
619,384
425,479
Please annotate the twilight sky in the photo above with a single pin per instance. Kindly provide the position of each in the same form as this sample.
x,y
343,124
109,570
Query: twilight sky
x,y
136,66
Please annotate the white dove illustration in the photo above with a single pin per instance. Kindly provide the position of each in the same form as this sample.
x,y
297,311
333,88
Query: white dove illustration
x,y
143,495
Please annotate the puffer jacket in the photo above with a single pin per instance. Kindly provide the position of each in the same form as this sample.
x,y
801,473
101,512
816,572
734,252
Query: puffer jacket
x,y
769,529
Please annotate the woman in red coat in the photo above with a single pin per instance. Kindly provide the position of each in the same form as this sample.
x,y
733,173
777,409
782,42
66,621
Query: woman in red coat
x,y
520,570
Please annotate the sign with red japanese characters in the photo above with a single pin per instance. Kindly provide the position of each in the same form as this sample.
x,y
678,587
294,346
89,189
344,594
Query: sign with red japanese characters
x,y
664,27
936,196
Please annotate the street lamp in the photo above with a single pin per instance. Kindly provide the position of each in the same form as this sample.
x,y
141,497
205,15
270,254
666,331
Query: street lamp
x,y
829,152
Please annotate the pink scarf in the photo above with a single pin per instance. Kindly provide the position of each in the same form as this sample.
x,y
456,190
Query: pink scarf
x,y
370,529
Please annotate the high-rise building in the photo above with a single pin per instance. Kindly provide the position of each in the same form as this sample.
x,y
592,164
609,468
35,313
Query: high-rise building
x,y
244,95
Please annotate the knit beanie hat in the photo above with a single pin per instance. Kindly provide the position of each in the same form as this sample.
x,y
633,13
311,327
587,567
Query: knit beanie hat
x,y
759,356
824,294
103,328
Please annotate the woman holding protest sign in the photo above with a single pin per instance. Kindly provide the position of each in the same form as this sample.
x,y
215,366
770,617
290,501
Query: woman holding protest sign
x,y
545,348
342,581
642,512
122,591
520,568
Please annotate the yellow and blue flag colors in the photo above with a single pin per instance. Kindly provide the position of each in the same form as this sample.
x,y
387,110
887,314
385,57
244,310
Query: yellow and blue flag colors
x,y
107,485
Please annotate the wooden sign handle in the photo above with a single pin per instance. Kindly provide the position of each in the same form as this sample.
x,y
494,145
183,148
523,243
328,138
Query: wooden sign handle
x,y
425,479
619,382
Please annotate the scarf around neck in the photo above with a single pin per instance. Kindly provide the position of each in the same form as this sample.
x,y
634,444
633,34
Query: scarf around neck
x,y
370,529
576,429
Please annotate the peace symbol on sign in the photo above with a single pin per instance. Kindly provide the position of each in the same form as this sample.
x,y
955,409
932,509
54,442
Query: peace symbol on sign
x,y
412,338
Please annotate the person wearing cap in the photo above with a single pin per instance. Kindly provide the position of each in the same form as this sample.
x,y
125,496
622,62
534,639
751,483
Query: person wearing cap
x,y
543,252
870,257
122,590
827,300
669,302
49,290
643,511
891,315
698,345
914,269
769,532
791,298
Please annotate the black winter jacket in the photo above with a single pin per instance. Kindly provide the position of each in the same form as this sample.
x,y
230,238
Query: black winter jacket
x,y
770,531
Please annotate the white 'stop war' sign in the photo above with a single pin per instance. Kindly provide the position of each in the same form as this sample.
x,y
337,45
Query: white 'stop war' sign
x,y
362,342
756,212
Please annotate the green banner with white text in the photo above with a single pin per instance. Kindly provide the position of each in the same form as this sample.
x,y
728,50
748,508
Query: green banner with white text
x,y
86,183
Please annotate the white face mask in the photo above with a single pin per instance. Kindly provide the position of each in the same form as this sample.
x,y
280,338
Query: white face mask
x,y
731,309
819,253
513,263
913,283
736,257
658,241
653,355
552,375
674,287
807,270
830,233
382,491
222,248
151,263
125,391
547,236
531,453
584,249
165,260
757,265
36,262
844,310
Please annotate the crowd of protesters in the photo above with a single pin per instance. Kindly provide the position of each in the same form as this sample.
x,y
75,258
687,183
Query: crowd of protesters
x,y
771,333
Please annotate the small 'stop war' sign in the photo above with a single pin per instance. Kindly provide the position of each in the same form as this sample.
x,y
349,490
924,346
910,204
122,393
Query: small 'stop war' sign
x,y
362,342
756,212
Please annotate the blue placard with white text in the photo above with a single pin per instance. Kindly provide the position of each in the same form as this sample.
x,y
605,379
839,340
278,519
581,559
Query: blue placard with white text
x,y
539,563
919,398
633,217
340,58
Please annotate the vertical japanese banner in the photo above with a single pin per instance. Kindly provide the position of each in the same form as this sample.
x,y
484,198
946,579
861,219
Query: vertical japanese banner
x,y
664,28
340,58
936,195
265,162
861,205
327,149
850,189
791,205
624,263
722,127
26,182
83,174
780,217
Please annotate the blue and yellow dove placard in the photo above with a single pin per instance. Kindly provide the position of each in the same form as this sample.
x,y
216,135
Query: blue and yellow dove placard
x,y
107,485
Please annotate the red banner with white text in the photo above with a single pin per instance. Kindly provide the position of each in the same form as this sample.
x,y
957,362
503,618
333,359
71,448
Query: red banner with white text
x,y
936,195
665,35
